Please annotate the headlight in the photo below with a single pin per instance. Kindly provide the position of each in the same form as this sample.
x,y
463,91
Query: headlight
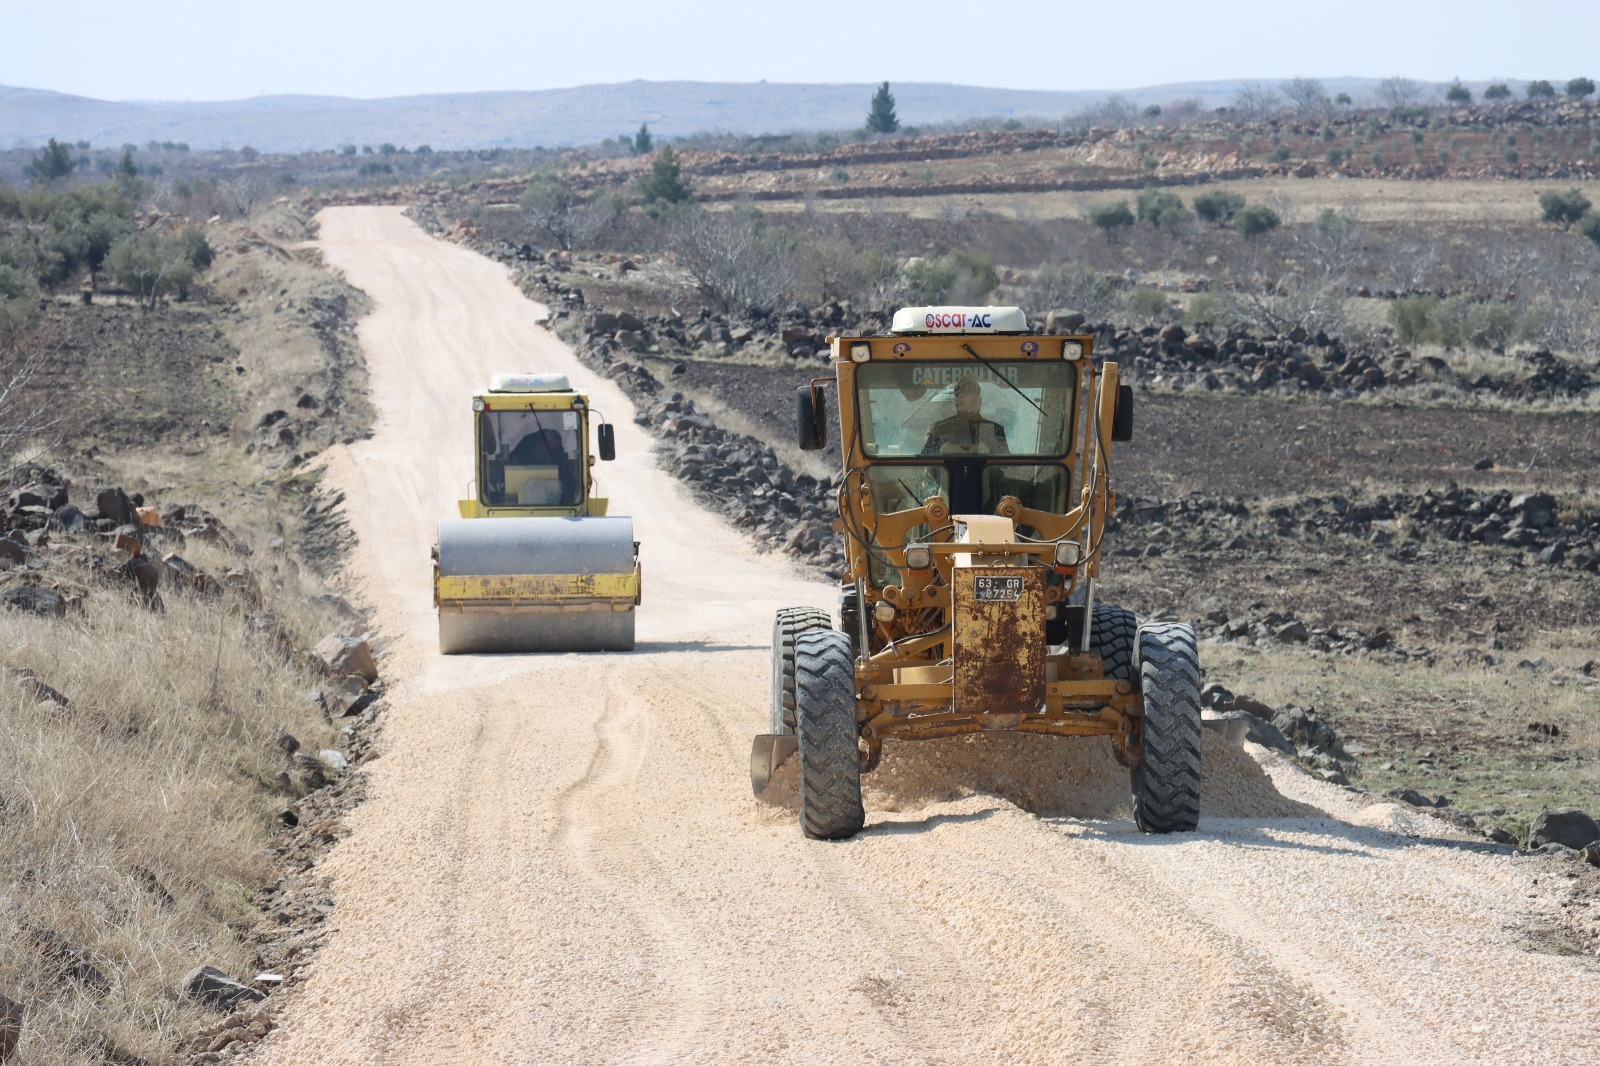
x,y
883,611
860,353
477,405
1072,351
919,557
1068,553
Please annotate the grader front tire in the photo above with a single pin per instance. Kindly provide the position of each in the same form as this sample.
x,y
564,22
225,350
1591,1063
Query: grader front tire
x,y
1166,780
825,724
786,628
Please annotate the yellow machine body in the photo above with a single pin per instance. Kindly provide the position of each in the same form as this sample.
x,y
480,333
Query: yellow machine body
x,y
535,562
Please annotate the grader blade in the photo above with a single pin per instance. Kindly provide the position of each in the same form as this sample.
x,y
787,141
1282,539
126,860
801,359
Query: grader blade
x,y
767,754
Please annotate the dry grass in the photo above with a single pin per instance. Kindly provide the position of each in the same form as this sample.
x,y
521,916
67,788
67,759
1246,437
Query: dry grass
x,y
1460,728
135,819
135,822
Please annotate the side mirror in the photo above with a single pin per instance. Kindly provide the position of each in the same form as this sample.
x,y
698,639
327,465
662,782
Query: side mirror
x,y
811,416
1122,419
608,442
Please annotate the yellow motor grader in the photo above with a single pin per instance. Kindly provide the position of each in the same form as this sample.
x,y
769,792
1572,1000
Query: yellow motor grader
x,y
976,487
535,563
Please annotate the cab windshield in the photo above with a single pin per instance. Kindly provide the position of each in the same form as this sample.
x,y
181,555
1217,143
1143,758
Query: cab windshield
x,y
999,409
530,458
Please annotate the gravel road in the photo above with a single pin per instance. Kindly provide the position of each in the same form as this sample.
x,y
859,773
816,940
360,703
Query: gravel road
x,y
561,861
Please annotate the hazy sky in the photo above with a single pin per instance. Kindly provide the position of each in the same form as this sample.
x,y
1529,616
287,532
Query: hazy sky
x,y
219,50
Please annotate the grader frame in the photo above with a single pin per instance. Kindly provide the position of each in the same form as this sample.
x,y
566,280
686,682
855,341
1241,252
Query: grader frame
x,y
970,608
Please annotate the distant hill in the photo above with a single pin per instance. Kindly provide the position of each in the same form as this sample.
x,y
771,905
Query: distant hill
x,y
547,118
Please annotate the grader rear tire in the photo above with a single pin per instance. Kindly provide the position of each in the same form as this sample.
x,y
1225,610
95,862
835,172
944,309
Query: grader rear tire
x,y
1114,636
825,724
786,628
1166,780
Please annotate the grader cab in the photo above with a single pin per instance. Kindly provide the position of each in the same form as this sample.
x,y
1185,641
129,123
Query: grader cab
x,y
977,462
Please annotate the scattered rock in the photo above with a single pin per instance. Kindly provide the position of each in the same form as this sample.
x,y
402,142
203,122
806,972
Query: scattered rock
x,y
209,985
1567,826
35,599
1409,795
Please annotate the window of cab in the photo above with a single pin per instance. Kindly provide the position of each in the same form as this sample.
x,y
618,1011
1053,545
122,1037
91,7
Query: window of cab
x,y
959,408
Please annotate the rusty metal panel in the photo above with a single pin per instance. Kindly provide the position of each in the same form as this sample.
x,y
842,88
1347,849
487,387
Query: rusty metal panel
x,y
998,622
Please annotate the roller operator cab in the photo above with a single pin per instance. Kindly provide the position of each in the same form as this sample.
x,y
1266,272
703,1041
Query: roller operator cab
x,y
535,562
973,503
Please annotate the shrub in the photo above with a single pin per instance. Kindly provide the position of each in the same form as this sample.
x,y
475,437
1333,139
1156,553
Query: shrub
x,y
1589,226
1160,208
1578,88
1497,92
1513,156
1281,153
1075,287
1206,308
1458,94
1563,208
1540,88
1150,303
962,277
1256,219
1412,318
1337,156
736,261
1218,206
1111,216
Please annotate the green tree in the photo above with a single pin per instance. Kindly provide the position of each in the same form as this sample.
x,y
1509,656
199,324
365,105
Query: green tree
x,y
127,169
196,248
665,185
1160,208
1343,100
1497,92
546,205
1217,206
1458,94
1111,216
150,265
1537,89
1563,208
1256,219
881,118
1578,88
642,140
101,230
53,162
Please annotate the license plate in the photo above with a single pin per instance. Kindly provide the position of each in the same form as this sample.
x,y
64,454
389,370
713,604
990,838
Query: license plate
x,y
997,588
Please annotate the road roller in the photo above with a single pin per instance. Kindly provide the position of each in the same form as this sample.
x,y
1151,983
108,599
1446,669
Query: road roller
x,y
535,563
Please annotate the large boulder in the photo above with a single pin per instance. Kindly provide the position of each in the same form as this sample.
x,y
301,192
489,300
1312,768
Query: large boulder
x,y
347,655
1567,826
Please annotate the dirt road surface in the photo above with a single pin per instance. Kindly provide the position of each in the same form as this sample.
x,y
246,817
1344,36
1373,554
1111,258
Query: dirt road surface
x,y
561,860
